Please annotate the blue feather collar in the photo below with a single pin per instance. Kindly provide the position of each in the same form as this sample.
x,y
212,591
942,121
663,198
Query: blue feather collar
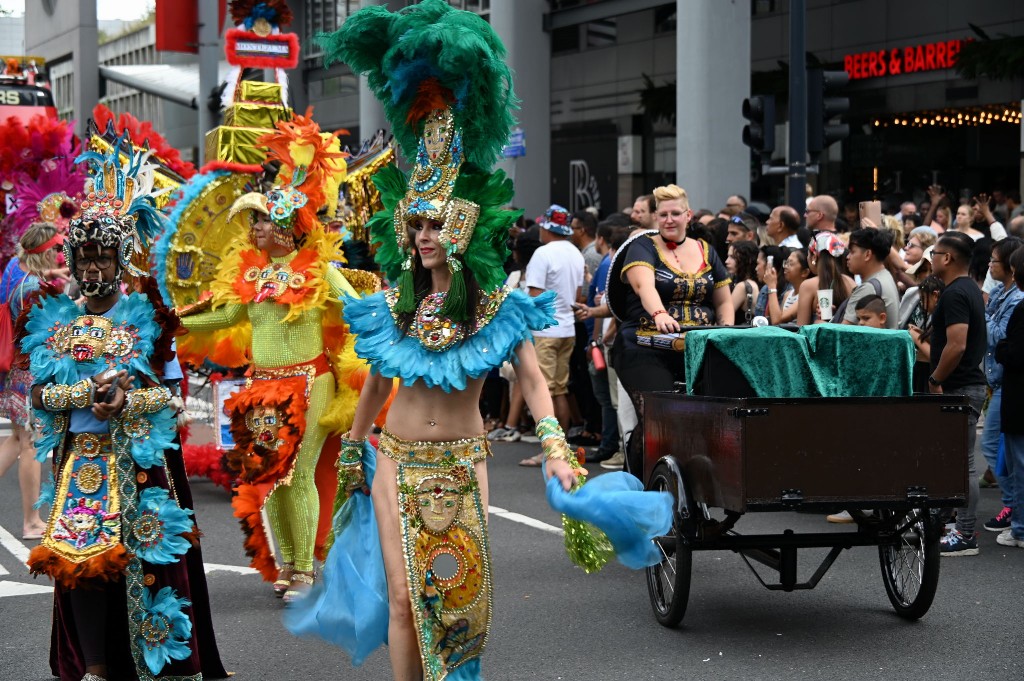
x,y
58,328
394,354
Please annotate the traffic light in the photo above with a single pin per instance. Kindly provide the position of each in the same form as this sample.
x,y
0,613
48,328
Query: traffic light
x,y
759,134
822,107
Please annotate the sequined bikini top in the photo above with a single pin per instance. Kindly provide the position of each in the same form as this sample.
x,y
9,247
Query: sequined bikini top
x,y
438,333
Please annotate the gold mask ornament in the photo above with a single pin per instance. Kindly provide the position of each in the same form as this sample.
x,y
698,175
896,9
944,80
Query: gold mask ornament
x,y
92,336
432,182
274,279
438,502
264,423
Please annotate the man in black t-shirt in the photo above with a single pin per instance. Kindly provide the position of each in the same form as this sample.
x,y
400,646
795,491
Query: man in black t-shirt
x,y
957,350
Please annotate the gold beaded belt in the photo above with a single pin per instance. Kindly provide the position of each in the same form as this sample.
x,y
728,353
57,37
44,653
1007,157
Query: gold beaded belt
x,y
472,449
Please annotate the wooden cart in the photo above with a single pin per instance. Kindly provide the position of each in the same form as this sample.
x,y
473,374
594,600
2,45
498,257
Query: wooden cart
x,y
765,454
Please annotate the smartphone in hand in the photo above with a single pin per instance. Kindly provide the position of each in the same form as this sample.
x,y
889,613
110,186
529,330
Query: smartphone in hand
x,y
871,210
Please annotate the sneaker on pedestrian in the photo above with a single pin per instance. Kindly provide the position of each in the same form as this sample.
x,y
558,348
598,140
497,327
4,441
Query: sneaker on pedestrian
x,y
500,433
843,517
615,463
1006,538
595,455
511,435
1001,521
532,439
955,544
573,432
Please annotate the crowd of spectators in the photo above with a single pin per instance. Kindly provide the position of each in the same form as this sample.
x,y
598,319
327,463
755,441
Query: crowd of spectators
x,y
944,274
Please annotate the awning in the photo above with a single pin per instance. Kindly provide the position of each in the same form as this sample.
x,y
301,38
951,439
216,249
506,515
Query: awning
x,y
178,83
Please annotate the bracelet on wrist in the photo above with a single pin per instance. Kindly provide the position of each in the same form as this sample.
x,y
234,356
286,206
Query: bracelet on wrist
x,y
773,290
552,441
657,312
351,452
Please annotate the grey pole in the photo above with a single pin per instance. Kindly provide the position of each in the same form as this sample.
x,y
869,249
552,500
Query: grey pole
x,y
209,57
797,178
371,111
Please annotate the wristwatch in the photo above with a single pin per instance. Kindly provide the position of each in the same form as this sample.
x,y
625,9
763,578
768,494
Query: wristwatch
x,y
933,381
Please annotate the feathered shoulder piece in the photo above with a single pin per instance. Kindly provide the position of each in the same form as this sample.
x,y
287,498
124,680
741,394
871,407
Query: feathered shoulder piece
x,y
60,337
427,57
505,319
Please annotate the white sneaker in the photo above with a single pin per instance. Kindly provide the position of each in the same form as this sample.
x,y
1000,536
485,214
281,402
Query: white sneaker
x,y
501,433
615,463
841,517
532,439
512,435
1006,538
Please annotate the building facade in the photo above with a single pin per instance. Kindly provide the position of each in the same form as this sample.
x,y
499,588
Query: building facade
x,y
619,96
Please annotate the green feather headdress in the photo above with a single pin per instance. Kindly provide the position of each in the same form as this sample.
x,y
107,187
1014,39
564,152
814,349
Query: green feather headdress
x,y
447,93
400,52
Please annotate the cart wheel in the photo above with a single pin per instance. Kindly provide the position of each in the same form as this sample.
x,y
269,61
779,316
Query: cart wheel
x,y
668,582
910,565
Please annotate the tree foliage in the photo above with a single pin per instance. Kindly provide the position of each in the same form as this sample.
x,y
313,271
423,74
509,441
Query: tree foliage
x,y
998,58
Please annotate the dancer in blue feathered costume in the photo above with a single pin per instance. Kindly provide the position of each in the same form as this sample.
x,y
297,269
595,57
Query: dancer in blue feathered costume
x,y
411,562
121,544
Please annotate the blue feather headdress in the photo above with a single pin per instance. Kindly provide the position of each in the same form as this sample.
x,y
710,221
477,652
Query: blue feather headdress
x,y
119,209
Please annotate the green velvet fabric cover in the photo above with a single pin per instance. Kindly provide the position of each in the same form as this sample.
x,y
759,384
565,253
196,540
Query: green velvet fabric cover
x,y
774,361
858,361
822,360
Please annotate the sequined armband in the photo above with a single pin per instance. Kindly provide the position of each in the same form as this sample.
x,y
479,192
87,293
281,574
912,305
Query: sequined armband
x,y
62,397
552,440
351,451
146,401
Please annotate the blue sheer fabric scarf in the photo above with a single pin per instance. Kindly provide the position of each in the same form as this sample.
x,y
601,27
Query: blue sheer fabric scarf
x,y
348,606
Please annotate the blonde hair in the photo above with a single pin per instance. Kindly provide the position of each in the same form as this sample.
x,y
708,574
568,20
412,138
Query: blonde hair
x,y
34,237
671,192
895,228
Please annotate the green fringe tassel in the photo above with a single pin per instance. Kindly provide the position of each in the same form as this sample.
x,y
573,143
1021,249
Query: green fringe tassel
x,y
587,546
406,302
454,306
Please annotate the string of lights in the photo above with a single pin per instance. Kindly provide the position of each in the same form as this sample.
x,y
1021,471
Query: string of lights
x,y
974,116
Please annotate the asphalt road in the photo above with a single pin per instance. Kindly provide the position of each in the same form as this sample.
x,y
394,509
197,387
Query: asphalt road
x,y
552,621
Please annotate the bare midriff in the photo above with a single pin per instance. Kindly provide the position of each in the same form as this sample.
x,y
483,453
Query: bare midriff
x,y
454,415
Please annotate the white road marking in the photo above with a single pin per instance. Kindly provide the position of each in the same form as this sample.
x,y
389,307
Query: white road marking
x,y
10,542
524,519
237,569
22,589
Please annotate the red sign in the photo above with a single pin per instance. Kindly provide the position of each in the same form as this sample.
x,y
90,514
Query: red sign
x,y
900,60
277,50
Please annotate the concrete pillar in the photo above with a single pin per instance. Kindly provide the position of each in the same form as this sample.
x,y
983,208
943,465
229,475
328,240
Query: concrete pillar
x,y
520,23
713,79
371,111
298,88
56,32
210,52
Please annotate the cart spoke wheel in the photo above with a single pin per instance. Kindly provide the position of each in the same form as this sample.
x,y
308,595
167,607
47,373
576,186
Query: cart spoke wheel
x,y
910,562
668,582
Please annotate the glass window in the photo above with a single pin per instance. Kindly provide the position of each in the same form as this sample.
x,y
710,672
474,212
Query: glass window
x,y
601,33
565,39
665,19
